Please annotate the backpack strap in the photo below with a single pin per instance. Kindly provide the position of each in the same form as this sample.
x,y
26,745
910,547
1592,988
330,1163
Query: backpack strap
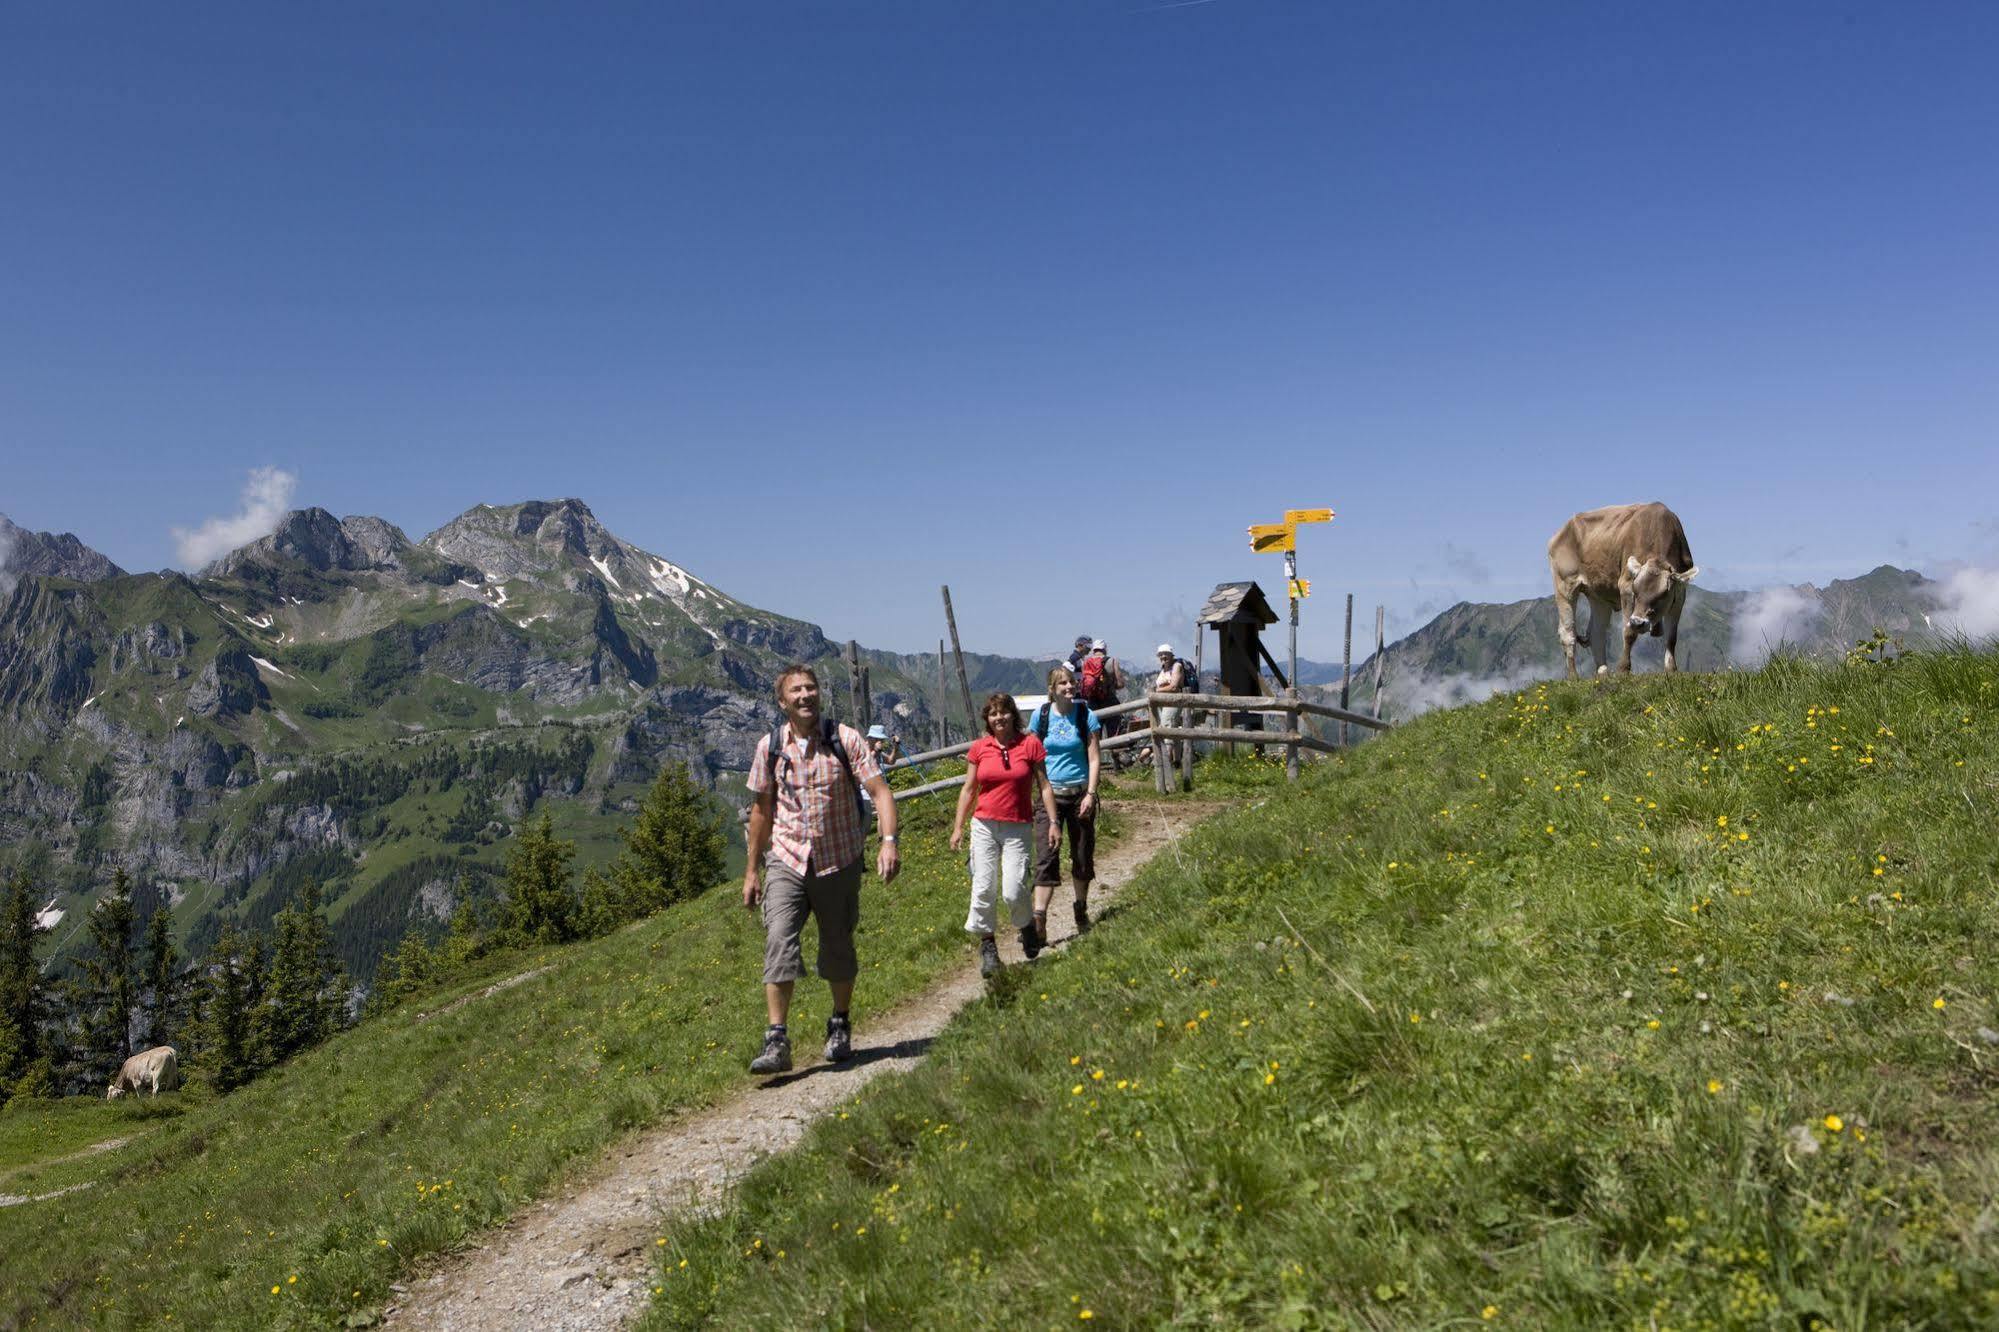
x,y
829,735
1041,720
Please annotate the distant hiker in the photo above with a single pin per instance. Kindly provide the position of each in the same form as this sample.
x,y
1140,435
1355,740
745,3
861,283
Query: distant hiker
x,y
1082,650
1098,681
806,778
1003,770
1068,730
885,747
1175,677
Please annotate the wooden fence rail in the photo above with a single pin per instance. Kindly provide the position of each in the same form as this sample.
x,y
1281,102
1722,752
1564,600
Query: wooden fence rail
x,y
1289,705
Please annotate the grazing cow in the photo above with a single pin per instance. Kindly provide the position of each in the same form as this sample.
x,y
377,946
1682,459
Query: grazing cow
x,y
157,1070
1636,552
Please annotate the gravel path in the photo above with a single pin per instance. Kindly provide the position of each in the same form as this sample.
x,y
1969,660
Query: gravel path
x,y
582,1259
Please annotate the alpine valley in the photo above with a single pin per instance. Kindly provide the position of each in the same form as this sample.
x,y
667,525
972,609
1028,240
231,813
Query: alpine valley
x,y
337,702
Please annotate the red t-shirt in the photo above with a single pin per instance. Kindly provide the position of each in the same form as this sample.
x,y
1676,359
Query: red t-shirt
x,y
1005,783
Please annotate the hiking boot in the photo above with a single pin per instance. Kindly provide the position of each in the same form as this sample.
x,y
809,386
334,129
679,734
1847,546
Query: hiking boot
x,y
1082,917
839,1038
1030,942
776,1057
989,963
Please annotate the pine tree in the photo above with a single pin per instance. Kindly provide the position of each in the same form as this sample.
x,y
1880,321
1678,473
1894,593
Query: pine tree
x,y
304,1000
108,991
225,1014
541,902
23,999
165,987
466,939
673,850
408,968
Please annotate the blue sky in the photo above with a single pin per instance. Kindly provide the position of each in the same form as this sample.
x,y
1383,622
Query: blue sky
x,y
835,303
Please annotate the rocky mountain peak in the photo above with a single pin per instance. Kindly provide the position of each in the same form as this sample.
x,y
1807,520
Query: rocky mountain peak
x,y
320,541
535,539
48,555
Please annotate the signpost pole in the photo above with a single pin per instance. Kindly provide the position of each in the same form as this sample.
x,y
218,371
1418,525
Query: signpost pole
x,y
1297,721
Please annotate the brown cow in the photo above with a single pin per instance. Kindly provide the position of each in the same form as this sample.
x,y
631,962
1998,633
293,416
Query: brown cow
x,y
157,1069
1638,552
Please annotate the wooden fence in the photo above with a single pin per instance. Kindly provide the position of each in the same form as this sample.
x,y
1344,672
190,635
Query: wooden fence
x,y
1287,704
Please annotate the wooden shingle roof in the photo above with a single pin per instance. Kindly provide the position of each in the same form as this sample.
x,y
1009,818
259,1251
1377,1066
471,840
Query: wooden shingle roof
x,y
1237,603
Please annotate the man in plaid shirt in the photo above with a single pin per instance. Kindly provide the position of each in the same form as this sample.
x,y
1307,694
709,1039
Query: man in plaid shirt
x,y
806,815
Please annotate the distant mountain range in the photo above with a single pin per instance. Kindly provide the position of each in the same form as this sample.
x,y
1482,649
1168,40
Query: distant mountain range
x,y
337,701
1472,649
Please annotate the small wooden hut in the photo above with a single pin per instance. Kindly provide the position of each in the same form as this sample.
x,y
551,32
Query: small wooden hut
x,y
1238,612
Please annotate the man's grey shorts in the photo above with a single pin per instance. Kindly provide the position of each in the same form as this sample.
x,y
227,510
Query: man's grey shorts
x,y
789,897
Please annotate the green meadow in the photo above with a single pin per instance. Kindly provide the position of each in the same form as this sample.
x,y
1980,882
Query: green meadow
x,y
298,1199
1657,1003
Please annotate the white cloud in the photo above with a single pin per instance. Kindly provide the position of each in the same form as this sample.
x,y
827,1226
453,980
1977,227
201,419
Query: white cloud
x,y
266,497
1970,603
1426,693
1770,617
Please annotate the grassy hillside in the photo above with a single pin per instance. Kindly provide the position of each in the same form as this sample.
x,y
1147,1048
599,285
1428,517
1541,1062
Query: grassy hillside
x,y
1663,1003
408,1134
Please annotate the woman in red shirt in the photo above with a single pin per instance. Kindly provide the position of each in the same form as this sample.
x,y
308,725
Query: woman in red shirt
x,y
1004,773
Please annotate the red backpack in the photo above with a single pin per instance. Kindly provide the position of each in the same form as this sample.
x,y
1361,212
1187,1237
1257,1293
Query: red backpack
x,y
1098,690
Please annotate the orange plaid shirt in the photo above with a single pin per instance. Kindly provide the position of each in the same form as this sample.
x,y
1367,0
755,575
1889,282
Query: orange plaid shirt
x,y
815,827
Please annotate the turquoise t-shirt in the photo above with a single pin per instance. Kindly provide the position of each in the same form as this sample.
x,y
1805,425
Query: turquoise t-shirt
x,y
1068,752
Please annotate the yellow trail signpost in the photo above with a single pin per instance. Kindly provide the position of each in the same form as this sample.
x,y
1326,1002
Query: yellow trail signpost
x,y
1275,538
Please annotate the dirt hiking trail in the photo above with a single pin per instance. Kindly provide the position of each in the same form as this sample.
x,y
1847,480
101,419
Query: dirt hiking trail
x,y
582,1259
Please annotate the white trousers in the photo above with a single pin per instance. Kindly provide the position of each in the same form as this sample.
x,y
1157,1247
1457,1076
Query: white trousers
x,y
999,854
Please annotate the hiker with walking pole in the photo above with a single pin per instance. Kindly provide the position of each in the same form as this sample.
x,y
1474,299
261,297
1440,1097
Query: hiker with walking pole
x,y
807,778
1003,770
1070,733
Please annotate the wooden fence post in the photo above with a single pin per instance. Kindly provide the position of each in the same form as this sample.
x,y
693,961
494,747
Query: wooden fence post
x,y
943,701
1159,768
1295,724
1193,719
1346,667
958,655
1380,642
867,701
854,684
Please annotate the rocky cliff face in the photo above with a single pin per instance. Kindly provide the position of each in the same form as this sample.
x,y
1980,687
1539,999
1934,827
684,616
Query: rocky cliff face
x,y
47,653
333,690
48,555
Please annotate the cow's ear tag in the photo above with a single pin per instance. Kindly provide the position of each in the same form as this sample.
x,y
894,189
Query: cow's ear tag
x,y
1632,566
1688,576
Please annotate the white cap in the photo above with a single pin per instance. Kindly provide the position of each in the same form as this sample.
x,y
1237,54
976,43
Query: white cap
x,y
1164,650
1097,645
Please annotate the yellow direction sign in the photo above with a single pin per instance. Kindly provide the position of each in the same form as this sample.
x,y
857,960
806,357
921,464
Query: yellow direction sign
x,y
1269,537
1292,517
1300,588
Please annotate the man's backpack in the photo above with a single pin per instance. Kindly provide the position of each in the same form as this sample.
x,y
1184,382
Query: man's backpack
x,y
1096,683
1081,718
829,735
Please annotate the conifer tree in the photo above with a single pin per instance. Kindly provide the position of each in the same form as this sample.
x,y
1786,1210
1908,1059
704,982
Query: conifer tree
x,y
303,1004
466,938
673,850
225,1013
406,969
23,999
541,902
108,991
165,987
